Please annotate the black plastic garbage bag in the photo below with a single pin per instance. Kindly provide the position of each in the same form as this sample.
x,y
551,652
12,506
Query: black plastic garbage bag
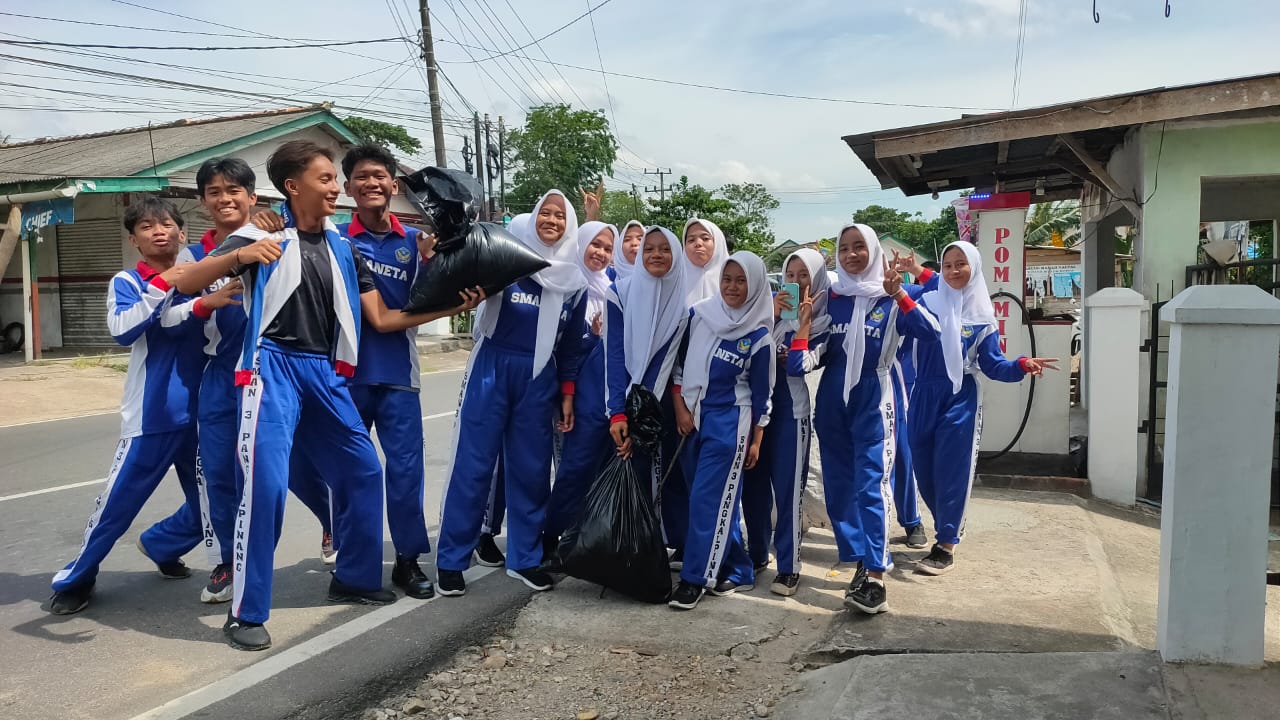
x,y
644,417
617,542
468,253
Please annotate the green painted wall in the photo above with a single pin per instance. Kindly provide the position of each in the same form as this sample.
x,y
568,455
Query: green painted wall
x,y
1172,173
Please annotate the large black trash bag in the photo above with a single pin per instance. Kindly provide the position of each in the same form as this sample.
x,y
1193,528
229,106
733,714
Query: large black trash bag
x,y
617,542
644,417
468,253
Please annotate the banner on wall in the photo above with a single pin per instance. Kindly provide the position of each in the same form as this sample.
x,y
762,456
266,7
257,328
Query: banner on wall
x,y
964,225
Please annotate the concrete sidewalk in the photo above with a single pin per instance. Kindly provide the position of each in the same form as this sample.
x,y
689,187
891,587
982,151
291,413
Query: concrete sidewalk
x,y
1050,612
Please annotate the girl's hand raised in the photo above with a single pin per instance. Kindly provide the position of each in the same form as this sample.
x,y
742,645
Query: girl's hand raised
x,y
804,316
892,281
1037,366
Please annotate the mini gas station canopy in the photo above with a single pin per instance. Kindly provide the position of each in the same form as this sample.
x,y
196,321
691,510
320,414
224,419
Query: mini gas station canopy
x,y
1049,151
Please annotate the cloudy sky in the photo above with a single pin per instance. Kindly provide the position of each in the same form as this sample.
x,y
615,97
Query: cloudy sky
x,y
874,62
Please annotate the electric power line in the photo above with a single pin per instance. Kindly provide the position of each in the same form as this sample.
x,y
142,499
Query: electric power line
x,y
167,31
206,48
544,37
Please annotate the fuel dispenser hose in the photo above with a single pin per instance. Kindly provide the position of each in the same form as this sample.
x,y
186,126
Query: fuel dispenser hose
x,y
1031,391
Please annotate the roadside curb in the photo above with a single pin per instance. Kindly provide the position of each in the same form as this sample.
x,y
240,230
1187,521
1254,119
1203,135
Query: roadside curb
x,y
1042,483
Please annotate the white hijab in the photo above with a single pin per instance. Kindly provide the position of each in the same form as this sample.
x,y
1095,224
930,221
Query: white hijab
x,y
957,308
819,291
597,282
704,282
622,268
653,311
865,288
714,321
560,280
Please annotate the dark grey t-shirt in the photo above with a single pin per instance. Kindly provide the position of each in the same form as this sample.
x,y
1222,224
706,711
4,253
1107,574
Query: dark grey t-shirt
x,y
307,321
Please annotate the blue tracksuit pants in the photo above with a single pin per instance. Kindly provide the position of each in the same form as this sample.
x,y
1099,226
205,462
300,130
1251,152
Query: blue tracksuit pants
x,y
945,431
296,403
495,505
714,456
904,476
855,444
220,476
675,491
139,464
583,450
503,412
397,414
777,483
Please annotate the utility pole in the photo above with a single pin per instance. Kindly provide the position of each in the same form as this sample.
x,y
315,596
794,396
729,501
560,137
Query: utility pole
x,y
481,160
433,87
635,200
502,166
662,186
491,165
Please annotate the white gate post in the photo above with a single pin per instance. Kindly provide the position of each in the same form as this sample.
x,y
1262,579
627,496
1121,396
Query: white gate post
x,y
1114,329
1223,347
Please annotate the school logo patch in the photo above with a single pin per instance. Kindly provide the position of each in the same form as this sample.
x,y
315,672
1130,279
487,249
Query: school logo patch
x,y
403,255
744,345
966,331
877,315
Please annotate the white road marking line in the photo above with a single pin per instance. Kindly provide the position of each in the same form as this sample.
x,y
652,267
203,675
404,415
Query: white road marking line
x,y
59,419
275,664
72,486
87,483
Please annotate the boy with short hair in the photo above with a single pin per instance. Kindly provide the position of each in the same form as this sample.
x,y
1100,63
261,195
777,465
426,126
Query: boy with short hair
x,y
227,189
162,330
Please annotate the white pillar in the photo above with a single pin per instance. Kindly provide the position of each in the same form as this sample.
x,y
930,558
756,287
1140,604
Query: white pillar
x,y
28,318
1223,348
1114,335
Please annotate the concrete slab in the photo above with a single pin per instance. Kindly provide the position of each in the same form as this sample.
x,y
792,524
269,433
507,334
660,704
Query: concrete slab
x,y
1031,576
1044,686
1198,692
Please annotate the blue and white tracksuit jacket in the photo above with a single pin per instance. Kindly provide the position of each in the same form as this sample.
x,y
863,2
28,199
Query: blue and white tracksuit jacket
x,y
584,449
297,401
739,386
504,411
162,329
777,480
657,379
946,426
856,438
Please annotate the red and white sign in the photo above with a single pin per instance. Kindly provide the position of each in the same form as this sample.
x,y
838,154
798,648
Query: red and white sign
x,y
1001,235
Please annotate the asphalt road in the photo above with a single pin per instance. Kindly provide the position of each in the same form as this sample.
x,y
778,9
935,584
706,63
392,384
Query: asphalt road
x,y
148,646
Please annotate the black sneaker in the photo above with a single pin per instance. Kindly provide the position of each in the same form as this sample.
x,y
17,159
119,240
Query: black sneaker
x,y
245,635
763,564
408,576
488,553
686,596
451,583
937,562
219,589
729,587
71,600
169,570
340,592
870,597
676,561
785,585
535,578
859,574
916,537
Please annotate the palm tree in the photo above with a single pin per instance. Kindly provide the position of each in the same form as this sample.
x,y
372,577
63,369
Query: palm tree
x,y
1061,217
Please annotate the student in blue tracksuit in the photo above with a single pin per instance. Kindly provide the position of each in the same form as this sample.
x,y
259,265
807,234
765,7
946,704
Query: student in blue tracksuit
x,y
726,379
946,404
301,341
227,191
646,321
854,414
585,448
162,330
906,503
705,251
521,375
626,249
776,483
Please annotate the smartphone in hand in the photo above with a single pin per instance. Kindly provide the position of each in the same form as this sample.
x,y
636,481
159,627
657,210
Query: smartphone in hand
x,y
792,291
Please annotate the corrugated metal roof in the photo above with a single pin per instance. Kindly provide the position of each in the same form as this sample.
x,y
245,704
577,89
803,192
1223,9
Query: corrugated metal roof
x,y
121,153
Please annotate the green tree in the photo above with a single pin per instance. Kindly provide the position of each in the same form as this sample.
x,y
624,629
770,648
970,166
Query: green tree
x,y
384,134
559,147
741,211
619,207
753,206
925,237
1061,217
